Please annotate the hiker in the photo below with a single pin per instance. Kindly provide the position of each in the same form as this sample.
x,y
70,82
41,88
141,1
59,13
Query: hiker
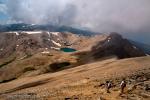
x,y
123,85
108,86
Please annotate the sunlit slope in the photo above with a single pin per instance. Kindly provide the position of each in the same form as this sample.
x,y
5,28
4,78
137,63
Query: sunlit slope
x,y
84,78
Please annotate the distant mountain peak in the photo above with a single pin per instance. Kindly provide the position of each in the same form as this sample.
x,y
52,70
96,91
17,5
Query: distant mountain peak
x,y
47,27
115,44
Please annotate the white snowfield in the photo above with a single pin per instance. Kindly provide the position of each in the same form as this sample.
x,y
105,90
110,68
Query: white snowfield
x,y
28,32
33,24
32,32
58,44
109,39
35,32
55,48
13,32
45,52
134,47
55,33
17,33
49,34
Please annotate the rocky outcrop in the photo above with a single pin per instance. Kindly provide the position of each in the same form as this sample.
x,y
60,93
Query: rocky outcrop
x,y
115,44
22,43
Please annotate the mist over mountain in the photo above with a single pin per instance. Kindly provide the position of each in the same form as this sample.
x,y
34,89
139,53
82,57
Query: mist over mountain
x,y
46,27
130,18
142,46
74,49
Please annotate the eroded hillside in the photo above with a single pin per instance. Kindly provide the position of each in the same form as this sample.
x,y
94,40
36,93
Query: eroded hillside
x,y
35,65
85,82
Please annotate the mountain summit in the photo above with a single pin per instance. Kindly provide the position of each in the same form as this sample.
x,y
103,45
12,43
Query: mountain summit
x,y
115,44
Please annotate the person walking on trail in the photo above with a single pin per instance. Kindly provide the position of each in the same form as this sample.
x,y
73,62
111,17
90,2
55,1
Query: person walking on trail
x,y
122,85
108,86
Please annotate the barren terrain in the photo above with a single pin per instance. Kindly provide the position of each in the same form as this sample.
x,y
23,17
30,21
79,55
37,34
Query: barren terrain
x,y
85,82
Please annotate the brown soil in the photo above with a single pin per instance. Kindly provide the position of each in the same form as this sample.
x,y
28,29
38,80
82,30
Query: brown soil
x,y
85,82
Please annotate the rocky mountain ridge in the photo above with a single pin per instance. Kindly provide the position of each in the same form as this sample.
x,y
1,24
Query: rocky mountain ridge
x,y
115,44
32,63
31,53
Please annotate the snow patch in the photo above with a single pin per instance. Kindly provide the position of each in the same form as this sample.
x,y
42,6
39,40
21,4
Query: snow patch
x,y
49,34
14,32
1,49
109,39
134,47
55,33
17,45
147,55
33,24
32,32
17,33
58,44
22,57
45,52
55,48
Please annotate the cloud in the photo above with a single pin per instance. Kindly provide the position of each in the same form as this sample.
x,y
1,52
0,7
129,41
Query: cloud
x,y
129,17
3,8
115,15
37,11
2,1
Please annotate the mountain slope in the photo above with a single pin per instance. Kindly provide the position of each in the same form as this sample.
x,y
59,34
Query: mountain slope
x,y
48,27
115,44
33,53
86,82
142,46
30,42
33,65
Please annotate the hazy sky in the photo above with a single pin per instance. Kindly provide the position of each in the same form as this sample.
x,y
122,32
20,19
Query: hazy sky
x,y
129,17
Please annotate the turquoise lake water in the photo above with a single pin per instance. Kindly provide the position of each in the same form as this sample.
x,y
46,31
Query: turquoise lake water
x,y
68,49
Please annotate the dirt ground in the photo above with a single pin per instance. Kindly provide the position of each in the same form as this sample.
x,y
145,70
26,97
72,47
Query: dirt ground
x,y
85,82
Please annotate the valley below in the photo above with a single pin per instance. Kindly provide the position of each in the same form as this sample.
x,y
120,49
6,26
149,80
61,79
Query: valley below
x,y
44,65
